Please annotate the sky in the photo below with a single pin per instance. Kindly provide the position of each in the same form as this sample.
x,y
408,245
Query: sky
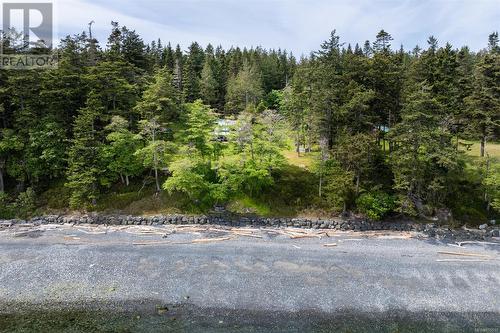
x,y
298,26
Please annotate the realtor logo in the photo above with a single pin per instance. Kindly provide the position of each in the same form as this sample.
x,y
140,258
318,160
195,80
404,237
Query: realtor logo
x,y
27,35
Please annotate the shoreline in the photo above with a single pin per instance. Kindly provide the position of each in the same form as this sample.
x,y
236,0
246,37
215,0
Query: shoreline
x,y
433,230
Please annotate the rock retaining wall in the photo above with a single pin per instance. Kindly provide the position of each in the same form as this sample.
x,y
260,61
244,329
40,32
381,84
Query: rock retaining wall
x,y
433,230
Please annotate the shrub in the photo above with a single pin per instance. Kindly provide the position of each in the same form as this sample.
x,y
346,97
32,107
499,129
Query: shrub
x,y
6,211
376,205
25,203
56,197
470,215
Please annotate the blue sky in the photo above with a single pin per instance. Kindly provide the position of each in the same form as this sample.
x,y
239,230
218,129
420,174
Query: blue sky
x,y
296,25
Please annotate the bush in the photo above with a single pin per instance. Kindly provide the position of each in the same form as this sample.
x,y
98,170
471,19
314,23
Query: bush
x,y
6,211
56,197
376,205
25,203
470,215
23,207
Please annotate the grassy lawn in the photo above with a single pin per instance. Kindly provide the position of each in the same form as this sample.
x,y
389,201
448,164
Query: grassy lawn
x,y
304,161
491,148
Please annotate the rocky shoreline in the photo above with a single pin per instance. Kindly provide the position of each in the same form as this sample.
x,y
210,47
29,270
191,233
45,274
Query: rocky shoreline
x,y
434,230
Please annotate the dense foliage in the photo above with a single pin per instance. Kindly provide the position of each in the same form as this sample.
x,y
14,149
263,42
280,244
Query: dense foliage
x,y
385,128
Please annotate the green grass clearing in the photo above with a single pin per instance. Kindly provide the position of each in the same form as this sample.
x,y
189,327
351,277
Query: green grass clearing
x,y
304,160
473,148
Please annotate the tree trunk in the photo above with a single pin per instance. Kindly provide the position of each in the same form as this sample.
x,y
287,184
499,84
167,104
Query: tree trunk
x,y
486,196
251,150
121,177
20,186
297,145
94,189
157,181
126,180
2,189
378,135
320,183
483,143
155,161
357,185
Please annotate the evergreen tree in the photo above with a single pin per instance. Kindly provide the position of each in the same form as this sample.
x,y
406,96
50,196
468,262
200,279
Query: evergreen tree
x,y
220,72
154,154
484,103
425,163
192,72
357,155
192,171
133,48
200,129
10,146
115,41
62,89
326,89
85,169
446,85
382,42
336,185
45,151
160,99
244,89
386,84
235,61
294,107
119,153
493,45
209,85
178,69
465,73
168,58
367,49
114,83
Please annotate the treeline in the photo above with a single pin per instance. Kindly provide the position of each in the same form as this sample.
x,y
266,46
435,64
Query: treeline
x,y
105,115
383,125
388,124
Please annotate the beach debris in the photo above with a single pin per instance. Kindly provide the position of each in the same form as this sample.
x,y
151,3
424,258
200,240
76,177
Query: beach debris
x,y
476,242
462,260
151,243
466,254
208,240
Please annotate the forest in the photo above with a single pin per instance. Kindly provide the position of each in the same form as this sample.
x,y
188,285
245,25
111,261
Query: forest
x,y
371,129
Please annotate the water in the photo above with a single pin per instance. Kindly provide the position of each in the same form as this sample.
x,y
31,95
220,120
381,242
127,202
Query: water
x,y
194,320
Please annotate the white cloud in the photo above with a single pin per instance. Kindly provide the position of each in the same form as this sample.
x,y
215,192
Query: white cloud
x,y
75,15
296,25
